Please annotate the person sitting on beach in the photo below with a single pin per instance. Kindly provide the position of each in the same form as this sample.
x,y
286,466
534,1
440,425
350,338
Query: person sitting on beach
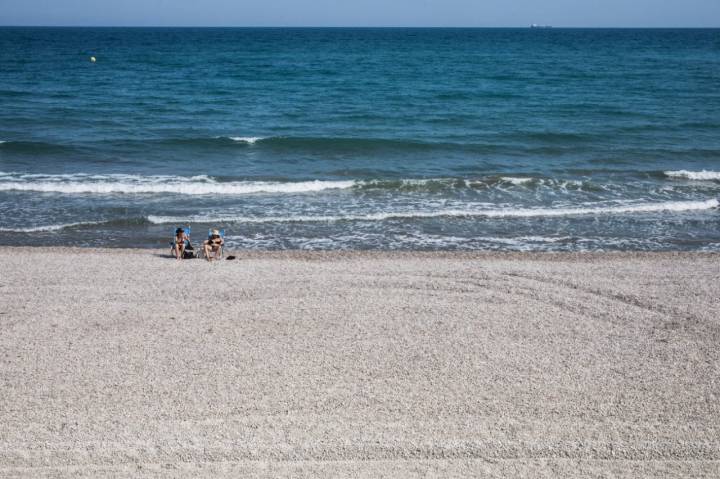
x,y
179,247
213,245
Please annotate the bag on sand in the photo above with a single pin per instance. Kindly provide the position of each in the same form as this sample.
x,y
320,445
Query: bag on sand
x,y
189,252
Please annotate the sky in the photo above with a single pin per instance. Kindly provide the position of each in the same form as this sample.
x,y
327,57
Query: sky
x,y
413,13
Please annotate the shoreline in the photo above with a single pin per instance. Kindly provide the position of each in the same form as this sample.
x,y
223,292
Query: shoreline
x,y
382,254
127,363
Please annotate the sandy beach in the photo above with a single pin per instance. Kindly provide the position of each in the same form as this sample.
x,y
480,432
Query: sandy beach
x,y
125,363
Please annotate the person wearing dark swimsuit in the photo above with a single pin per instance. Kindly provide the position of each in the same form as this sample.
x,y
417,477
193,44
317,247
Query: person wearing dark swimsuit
x,y
179,247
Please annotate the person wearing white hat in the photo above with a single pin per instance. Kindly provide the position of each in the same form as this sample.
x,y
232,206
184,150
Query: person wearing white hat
x,y
213,245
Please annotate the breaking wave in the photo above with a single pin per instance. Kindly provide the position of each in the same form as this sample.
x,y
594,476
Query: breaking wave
x,y
247,139
135,184
49,228
517,181
80,183
694,175
105,184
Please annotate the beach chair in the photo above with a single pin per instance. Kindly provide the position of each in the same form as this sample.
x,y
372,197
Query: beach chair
x,y
221,252
188,247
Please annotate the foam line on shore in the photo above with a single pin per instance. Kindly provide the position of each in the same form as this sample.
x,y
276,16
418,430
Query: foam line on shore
x,y
673,206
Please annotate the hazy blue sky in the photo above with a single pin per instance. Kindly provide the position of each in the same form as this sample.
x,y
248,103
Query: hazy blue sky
x,y
490,13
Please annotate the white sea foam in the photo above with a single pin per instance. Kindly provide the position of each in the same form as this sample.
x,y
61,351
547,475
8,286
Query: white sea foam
x,y
517,181
416,181
544,239
251,140
410,182
135,184
48,228
489,213
694,175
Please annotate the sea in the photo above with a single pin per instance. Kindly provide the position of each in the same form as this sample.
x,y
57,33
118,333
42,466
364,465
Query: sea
x,y
518,139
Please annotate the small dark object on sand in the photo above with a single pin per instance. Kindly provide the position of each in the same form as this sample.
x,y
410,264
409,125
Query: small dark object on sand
x,y
231,257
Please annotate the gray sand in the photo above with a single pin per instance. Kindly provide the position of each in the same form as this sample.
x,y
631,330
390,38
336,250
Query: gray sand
x,y
121,363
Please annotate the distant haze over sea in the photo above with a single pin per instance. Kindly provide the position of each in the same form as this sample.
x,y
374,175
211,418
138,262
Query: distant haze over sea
x,y
289,138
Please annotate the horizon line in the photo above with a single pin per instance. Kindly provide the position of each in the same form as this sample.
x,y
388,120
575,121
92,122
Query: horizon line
x,y
537,26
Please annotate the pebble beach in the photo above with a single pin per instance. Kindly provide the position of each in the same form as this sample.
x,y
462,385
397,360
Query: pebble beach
x,y
126,363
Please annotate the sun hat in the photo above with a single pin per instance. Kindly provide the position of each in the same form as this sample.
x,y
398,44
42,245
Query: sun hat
x,y
216,232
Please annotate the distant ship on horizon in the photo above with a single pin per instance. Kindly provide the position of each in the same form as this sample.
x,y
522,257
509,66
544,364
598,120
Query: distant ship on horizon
x,y
535,25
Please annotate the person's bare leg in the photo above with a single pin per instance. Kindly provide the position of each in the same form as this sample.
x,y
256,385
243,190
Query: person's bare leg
x,y
181,253
206,249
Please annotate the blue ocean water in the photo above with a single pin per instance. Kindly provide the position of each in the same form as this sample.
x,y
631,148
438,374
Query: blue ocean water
x,y
509,139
